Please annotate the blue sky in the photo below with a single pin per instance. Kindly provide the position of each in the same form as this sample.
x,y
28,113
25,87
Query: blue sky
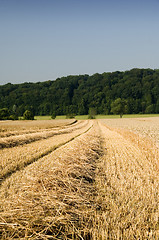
x,y
46,39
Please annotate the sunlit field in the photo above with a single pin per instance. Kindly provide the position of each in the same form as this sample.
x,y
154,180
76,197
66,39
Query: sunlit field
x,y
84,117
79,179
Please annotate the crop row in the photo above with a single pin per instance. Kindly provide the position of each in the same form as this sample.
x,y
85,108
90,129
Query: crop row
x,y
7,142
101,183
53,197
12,128
13,159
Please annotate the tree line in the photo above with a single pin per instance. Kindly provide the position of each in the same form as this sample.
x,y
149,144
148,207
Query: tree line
x,y
138,88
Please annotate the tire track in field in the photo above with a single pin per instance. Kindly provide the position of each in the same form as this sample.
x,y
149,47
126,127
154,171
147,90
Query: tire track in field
x,y
46,152
127,185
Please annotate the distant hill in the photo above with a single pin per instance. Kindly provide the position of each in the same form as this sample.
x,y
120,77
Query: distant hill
x,y
76,94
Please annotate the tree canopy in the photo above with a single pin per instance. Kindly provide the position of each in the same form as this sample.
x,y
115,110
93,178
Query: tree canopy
x,y
119,106
28,115
77,94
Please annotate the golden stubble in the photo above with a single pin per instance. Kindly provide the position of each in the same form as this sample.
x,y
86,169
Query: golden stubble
x,y
102,182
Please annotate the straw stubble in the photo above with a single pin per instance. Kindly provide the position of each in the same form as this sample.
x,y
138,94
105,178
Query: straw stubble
x,y
102,184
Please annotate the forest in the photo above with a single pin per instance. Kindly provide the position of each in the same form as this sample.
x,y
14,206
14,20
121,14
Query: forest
x,y
77,94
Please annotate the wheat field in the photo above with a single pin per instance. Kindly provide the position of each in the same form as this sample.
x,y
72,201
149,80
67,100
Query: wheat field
x,y
90,179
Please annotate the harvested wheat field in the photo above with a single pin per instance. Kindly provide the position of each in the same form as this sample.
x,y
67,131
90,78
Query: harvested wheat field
x,y
92,179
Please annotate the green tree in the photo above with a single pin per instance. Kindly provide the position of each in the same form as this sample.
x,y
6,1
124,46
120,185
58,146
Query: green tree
x,y
150,109
28,115
76,94
157,107
14,115
119,106
53,116
92,113
14,109
82,107
4,114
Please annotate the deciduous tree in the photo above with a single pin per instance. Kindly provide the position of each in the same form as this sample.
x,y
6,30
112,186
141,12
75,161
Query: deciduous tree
x,y
119,106
28,115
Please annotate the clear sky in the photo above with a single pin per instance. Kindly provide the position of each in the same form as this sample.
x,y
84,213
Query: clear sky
x,y
45,39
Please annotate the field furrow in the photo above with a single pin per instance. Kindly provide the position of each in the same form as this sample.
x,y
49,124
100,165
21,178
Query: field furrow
x,y
13,159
